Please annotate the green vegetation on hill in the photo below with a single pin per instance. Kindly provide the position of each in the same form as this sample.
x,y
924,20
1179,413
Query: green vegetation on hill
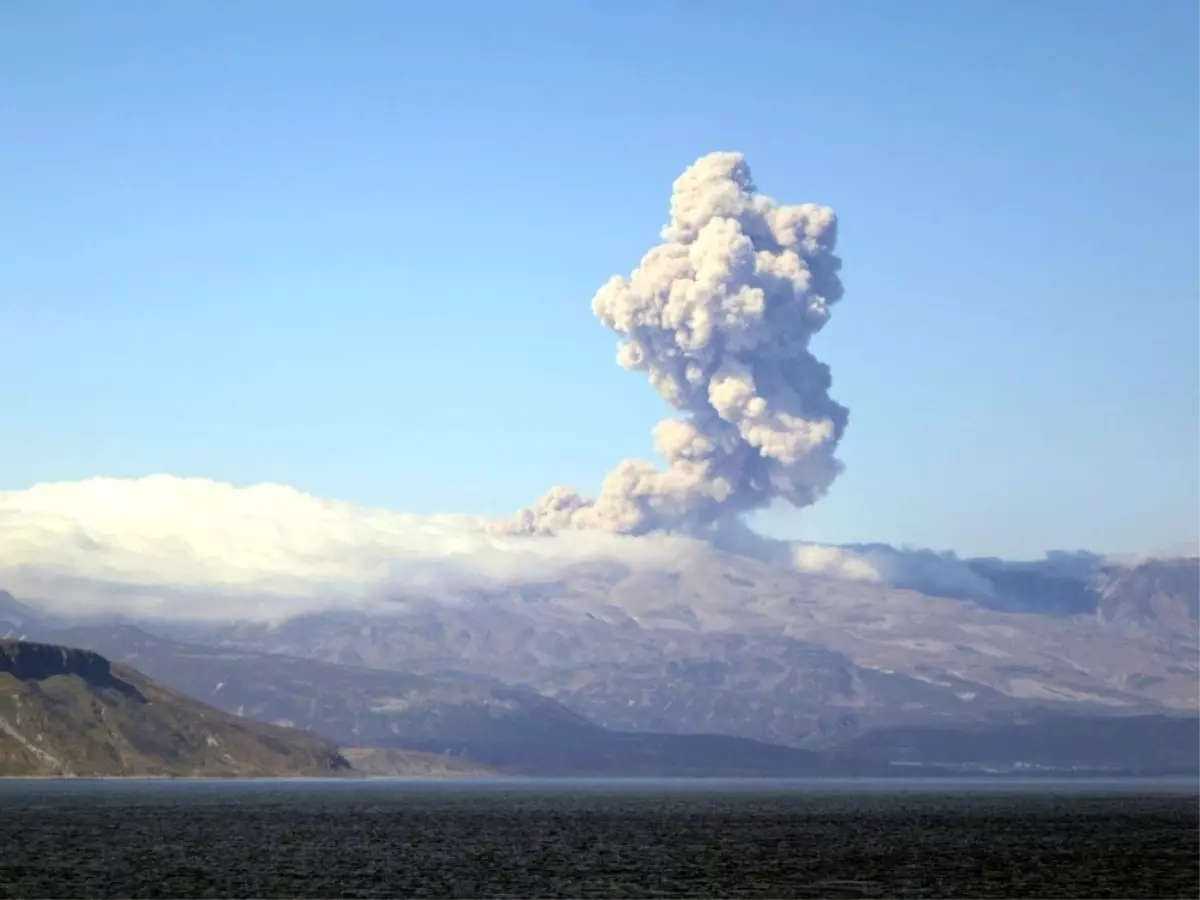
x,y
70,712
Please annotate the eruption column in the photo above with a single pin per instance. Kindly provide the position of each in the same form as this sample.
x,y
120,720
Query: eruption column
x,y
719,316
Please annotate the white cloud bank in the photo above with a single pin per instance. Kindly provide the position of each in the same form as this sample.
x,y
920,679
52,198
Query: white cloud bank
x,y
190,548
193,548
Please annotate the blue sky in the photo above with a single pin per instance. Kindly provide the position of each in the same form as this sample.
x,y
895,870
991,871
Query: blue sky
x,y
351,247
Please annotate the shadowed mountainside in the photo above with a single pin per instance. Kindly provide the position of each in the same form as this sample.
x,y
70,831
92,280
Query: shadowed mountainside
x,y
1131,746
65,711
14,616
507,729
355,706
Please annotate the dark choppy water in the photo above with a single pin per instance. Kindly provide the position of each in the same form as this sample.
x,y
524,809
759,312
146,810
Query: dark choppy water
x,y
597,839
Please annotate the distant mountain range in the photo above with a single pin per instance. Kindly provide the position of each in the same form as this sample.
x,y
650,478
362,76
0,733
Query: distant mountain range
x,y
717,664
1056,743
722,644
502,728
16,616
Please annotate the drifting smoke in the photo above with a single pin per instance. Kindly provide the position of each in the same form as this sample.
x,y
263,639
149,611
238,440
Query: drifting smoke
x,y
928,571
720,317
1183,550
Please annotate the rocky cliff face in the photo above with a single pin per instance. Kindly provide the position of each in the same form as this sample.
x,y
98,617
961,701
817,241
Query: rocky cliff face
x,y
29,661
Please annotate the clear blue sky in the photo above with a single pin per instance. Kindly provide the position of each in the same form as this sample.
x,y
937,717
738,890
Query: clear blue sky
x,y
351,246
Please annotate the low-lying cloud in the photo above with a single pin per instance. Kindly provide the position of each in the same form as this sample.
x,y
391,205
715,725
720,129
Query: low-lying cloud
x,y
194,548
928,571
190,548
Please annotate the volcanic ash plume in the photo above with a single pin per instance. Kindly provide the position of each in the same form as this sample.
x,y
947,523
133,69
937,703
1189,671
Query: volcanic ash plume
x,y
720,316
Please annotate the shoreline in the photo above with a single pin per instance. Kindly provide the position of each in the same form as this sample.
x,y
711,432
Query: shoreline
x,y
982,781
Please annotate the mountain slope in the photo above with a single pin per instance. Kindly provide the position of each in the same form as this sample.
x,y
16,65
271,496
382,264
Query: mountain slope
x,y
509,730
355,706
1155,745
65,711
14,616
1157,596
704,643
715,643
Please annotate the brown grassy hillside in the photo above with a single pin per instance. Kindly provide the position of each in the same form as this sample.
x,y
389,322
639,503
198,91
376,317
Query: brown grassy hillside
x,y
70,712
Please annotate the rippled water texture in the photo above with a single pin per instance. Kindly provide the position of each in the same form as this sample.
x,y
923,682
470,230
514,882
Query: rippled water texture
x,y
588,839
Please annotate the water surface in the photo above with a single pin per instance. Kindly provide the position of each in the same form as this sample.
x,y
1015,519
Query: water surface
x,y
600,838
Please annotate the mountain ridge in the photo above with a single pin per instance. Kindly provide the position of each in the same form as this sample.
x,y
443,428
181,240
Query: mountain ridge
x,y
69,711
701,645
725,645
506,729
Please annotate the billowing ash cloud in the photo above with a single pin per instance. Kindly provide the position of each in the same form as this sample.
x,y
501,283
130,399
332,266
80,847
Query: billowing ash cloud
x,y
720,316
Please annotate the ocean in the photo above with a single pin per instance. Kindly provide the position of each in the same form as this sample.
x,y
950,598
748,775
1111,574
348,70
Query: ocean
x,y
599,838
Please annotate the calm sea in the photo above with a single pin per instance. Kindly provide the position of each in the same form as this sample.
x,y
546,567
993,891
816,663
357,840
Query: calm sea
x,y
599,838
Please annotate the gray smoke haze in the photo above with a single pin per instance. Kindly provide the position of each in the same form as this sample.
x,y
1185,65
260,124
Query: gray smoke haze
x,y
941,574
720,316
